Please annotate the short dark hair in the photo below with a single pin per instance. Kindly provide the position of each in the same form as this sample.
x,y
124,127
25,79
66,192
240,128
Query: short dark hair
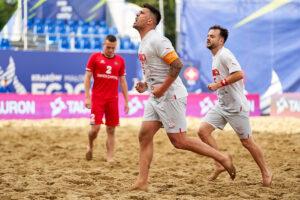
x,y
223,31
153,11
111,38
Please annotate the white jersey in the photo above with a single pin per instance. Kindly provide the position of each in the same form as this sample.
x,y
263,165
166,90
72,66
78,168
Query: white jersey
x,y
230,97
156,53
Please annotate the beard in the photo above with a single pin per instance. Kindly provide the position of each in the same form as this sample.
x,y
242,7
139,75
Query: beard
x,y
210,46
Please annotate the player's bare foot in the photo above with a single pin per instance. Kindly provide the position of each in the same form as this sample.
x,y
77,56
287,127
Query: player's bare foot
x,y
230,167
218,170
89,155
267,180
138,186
109,159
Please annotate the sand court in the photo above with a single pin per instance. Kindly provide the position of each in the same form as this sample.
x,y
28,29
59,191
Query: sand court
x,y
45,159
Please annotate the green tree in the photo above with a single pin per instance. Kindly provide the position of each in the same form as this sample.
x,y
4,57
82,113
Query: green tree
x,y
169,16
7,8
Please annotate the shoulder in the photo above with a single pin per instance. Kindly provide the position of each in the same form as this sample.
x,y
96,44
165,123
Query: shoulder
x,y
95,55
118,57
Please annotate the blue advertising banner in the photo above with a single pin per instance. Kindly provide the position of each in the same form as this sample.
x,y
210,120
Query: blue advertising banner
x,y
67,9
40,72
263,35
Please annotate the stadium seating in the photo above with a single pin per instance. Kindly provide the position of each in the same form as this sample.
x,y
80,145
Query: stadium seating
x,y
5,44
112,30
64,43
97,43
88,35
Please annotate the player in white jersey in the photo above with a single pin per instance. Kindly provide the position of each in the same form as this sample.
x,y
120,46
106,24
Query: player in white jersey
x,y
166,105
232,105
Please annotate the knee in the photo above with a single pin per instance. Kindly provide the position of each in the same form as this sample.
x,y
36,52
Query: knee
x,y
94,131
246,143
143,137
110,130
203,133
178,144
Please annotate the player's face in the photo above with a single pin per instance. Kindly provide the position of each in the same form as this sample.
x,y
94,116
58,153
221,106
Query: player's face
x,y
3,83
109,48
213,39
142,18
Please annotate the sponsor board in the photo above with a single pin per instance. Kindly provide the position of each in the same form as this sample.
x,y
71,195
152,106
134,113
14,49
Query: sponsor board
x,y
13,106
286,104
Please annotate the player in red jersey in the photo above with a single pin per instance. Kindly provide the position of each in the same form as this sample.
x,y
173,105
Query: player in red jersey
x,y
106,68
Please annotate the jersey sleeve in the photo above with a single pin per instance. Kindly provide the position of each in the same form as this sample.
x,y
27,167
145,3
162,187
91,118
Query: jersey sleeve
x,y
122,71
91,63
231,62
165,50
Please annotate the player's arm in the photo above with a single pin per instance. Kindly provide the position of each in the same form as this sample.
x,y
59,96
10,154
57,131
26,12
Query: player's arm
x,y
87,86
124,89
233,77
175,68
141,87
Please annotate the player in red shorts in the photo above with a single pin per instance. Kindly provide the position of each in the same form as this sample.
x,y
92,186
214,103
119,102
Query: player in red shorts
x,y
106,68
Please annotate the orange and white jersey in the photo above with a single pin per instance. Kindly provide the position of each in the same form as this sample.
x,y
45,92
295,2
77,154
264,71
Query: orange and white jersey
x,y
156,53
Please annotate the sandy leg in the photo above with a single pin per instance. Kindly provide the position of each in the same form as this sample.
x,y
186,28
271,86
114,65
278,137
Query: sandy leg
x,y
267,180
138,186
89,154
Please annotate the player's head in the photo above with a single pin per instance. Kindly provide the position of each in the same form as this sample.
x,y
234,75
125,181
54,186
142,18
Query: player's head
x,y
3,82
109,46
216,37
149,16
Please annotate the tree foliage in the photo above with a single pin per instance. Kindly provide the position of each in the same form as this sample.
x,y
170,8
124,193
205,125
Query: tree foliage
x,y
169,16
6,11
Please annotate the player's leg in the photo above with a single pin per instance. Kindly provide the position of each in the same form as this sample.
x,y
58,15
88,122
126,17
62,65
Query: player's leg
x,y
181,141
92,135
111,121
204,133
146,134
97,112
172,114
110,142
259,158
150,126
241,124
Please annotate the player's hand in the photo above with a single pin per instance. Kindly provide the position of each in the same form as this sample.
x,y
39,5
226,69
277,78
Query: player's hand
x,y
88,103
141,87
126,108
157,91
214,86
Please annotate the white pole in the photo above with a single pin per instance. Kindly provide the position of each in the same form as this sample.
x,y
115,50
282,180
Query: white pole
x,y
178,5
25,24
161,10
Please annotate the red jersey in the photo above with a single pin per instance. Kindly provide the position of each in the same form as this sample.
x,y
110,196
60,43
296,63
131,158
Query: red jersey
x,y
106,73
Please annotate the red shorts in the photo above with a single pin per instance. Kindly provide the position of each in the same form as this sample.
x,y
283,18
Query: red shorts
x,y
108,107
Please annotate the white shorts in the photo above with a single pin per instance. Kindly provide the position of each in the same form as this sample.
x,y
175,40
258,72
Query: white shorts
x,y
239,121
171,113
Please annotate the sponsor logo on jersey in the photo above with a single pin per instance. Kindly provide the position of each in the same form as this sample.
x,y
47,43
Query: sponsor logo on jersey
x,y
107,76
215,72
116,63
142,57
102,61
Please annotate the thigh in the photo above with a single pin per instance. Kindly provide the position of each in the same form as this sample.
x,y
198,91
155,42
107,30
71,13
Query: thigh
x,y
215,118
112,113
149,128
149,112
240,123
172,114
97,112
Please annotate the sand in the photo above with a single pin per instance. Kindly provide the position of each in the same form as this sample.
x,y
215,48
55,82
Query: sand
x,y
44,159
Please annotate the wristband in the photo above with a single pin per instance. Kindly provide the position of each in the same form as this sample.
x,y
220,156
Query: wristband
x,y
224,82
